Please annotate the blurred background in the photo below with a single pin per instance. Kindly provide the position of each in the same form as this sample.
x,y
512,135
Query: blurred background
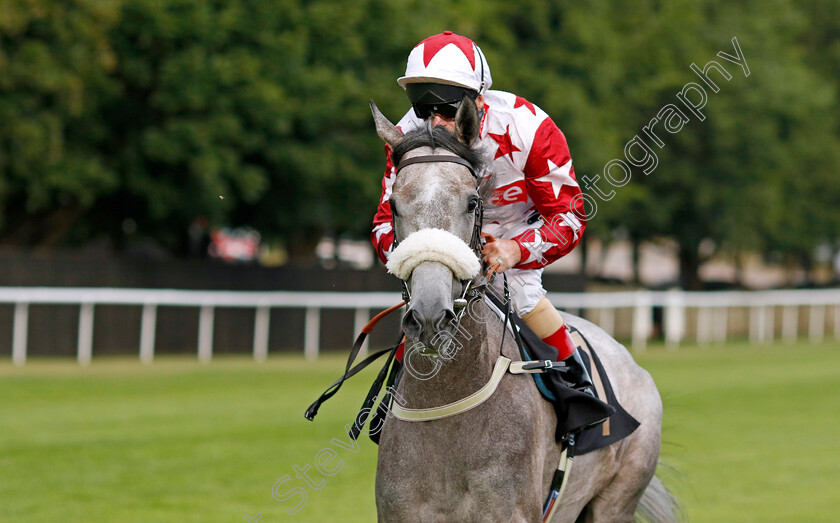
x,y
176,129
228,146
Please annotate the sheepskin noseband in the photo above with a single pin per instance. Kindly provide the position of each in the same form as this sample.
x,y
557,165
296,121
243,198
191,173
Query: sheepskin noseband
x,y
433,245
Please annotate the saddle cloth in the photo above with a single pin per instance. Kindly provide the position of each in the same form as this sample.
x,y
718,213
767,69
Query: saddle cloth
x,y
573,407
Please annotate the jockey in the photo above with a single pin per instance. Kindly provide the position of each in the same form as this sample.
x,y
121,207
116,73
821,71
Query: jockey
x,y
536,210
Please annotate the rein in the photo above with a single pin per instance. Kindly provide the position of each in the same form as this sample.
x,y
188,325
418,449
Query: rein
x,y
351,371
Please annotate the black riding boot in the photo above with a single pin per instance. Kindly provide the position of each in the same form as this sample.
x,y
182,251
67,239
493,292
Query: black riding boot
x,y
577,374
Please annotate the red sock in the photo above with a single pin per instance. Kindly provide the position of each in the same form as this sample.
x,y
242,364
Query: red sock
x,y
562,341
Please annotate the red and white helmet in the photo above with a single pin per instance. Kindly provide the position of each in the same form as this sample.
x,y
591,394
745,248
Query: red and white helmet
x,y
448,58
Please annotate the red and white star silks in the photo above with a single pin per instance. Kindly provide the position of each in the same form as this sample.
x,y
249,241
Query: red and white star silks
x,y
533,174
382,235
504,143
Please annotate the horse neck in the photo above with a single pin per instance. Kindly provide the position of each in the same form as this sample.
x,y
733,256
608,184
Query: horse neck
x,y
469,370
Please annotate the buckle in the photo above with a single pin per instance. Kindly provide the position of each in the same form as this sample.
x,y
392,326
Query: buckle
x,y
545,365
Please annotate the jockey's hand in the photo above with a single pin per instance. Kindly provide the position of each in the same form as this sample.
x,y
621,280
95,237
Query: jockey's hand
x,y
504,253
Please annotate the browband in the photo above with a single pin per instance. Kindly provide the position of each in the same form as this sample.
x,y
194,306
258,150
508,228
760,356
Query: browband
x,y
434,159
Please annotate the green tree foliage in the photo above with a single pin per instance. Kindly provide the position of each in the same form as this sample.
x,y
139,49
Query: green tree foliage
x,y
757,173
55,64
254,112
255,102
160,112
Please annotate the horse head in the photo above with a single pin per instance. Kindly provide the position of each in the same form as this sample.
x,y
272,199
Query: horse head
x,y
436,204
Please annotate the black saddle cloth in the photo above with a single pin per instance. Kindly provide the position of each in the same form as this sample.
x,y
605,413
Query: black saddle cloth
x,y
576,410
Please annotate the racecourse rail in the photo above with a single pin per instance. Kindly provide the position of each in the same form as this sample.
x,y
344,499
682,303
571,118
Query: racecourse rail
x,y
711,324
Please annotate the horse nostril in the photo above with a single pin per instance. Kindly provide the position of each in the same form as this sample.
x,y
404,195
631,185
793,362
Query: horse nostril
x,y
413,322
444,320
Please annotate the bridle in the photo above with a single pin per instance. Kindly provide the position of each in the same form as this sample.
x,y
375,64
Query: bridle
x,y
468,290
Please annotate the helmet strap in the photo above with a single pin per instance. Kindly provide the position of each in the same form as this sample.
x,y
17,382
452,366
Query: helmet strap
x,y
480,57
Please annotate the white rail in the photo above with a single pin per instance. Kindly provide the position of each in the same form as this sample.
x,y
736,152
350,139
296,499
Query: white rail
x,y
712,313
205,301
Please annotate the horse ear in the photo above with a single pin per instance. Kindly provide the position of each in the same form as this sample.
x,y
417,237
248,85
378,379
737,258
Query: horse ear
x,y
467,122
384,128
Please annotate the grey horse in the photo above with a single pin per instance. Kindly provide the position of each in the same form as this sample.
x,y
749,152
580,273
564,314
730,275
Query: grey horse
x,y
494,462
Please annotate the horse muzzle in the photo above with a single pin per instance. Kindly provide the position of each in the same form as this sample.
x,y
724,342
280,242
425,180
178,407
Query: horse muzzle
x,y
434,330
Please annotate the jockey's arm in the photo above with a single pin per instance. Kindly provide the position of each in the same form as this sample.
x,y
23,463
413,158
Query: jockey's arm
x,y
382,235
551,184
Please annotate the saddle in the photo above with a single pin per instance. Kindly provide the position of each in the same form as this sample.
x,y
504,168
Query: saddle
x,y
567,402
576,411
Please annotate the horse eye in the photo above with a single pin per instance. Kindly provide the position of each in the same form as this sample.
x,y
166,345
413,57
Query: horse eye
x,y
472,205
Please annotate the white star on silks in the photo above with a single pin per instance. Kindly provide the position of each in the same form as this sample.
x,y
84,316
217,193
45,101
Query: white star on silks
x,y
537,247
557,176
389,184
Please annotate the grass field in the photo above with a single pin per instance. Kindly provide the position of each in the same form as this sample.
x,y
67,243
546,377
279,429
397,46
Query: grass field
x,y
750,434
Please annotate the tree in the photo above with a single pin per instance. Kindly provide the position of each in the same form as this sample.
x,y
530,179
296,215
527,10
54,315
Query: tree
x,y
147,114
55,60
157,113
609,68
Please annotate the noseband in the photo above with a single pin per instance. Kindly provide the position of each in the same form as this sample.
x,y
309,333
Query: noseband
x,y
475,241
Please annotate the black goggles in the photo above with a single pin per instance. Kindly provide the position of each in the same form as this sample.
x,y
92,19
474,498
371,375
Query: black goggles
x,y
429,99
446,110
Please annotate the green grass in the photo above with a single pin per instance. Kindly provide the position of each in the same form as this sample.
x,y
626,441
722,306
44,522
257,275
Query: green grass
x,y
750,433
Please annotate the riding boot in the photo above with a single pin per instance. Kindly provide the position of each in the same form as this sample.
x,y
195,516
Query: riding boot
x,y
575,371
577,374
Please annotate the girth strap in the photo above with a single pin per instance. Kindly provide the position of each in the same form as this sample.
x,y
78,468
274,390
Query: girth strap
x,y
457,407
560,479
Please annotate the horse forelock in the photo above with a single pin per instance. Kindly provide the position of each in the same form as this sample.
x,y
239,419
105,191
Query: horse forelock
x,y
430,191
434,138
433,183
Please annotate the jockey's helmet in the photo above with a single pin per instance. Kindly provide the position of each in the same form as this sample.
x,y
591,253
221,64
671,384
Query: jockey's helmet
x,y
450,59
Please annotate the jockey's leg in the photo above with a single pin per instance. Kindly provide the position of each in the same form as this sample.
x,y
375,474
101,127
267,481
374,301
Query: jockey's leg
x,y
528,299
547,323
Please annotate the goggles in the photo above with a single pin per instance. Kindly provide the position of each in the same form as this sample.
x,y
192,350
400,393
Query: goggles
x,y
446,110
429,99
